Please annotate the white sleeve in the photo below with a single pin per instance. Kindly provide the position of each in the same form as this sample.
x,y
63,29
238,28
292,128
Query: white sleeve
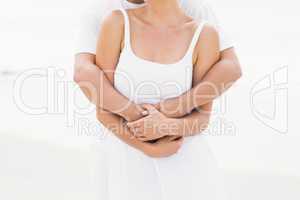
x,y
89,27
202,10
88,34
225,41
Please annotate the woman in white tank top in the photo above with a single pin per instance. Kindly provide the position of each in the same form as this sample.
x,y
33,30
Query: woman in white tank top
x,y
152,54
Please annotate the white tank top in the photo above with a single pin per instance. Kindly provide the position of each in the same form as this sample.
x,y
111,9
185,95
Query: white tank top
x,y
144,81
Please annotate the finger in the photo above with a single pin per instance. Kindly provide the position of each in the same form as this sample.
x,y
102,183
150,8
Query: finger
x,y
130,124
137,122
134,125
139,131
157,106
163,140
170,139
144,105
132,131
141,120
136,132
151,109
145,112
179,141
173,138
142,138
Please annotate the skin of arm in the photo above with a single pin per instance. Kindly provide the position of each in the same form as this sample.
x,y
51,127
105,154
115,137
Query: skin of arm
x,y
94,84
107,56
162,148
221,76
157,124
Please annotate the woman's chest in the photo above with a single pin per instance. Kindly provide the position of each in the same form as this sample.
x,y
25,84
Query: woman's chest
x,y
146,82
161,45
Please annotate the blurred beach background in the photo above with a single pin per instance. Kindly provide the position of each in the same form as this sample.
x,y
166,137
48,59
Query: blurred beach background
x,y
254,133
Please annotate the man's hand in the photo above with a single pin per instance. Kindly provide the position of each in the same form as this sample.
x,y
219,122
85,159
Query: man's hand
x,y
133,112
174,107
155,125
164,147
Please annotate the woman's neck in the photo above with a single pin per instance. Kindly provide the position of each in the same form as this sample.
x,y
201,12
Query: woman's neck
x,y
163,12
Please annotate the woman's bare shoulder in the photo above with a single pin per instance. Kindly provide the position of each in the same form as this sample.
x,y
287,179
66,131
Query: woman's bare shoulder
x,y
209,34
111,31
208,38
110,40
113,21
207,47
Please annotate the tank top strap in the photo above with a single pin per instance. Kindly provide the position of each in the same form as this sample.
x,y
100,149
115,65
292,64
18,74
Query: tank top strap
x,y
195,39
126,28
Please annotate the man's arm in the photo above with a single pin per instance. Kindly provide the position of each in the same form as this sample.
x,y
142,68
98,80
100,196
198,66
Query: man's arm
x,y
108,50
221,76
216,81
94,84
157,125
100,91
163,148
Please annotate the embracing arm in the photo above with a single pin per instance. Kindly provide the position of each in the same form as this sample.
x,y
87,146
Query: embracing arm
x,y
206,55
108,51
95,85
107,56
158,124
220,77
162,148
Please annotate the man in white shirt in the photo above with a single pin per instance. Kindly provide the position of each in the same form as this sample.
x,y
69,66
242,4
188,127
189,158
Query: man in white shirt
x,y
222,74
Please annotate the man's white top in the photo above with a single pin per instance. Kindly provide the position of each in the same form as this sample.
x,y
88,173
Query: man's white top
x,y
91,21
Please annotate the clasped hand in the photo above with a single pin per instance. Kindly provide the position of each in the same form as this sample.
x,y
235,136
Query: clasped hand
x,y
159,134
154,126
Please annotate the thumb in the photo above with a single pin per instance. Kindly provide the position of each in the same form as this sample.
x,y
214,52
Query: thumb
x,y
150,108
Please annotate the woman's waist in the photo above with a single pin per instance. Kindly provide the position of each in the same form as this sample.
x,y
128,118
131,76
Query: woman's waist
x,y
150,93
135,72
